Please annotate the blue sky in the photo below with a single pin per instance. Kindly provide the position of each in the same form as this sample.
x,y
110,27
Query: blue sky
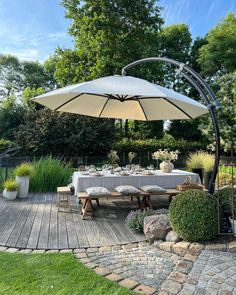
x,y
32,29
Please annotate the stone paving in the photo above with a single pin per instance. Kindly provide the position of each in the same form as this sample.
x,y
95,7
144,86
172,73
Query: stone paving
x,y
141,267
213,273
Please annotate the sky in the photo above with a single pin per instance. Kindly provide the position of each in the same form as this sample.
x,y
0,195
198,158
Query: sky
x,y
33,29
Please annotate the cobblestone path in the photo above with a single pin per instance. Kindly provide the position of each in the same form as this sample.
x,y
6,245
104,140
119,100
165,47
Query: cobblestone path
x,y
213,273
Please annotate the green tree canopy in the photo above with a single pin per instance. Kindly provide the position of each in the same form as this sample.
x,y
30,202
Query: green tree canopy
x,y
219,54
108,35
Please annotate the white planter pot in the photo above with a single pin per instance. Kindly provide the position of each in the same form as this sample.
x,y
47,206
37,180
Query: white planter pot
x,y
166,166
23,190
9,195
233,225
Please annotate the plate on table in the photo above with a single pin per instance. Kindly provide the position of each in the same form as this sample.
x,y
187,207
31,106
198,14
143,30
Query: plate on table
x,y
95,174
84,173
148,173
124,174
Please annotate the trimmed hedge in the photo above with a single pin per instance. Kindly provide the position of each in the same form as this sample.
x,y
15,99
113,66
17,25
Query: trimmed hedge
x,y
152,145
193,215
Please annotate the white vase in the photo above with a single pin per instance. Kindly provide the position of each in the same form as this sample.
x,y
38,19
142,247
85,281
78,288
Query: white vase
x,y
166,166
233,225
23,190
9,195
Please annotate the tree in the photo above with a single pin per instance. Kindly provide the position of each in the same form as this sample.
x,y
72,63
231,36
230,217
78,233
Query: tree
x,y
227,115
108,35
10,75
46,132
218,56
11,116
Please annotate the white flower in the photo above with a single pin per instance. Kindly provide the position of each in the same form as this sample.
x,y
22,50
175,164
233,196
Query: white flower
x,y
165,155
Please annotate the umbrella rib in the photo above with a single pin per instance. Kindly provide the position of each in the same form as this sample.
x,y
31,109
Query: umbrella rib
x,y
103,107
178,108
68,101
142,109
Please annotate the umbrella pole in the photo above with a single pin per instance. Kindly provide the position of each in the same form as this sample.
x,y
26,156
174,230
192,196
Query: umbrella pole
x,y
207,94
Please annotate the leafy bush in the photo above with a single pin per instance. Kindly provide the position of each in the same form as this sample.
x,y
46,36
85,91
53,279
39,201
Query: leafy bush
x,y
4,144
24,169
151,145
193,215
225,179
135,219
10,185
49,174
225,197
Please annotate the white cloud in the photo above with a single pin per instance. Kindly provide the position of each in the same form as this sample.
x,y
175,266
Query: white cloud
x,y
24,54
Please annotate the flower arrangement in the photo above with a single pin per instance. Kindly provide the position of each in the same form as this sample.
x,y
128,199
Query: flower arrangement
x,y
113,157
165,155
131,156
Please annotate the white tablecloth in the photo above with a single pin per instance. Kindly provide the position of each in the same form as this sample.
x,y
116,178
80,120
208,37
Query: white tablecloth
x,y
165,180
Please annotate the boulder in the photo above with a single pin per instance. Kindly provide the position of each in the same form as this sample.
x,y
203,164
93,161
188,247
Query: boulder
x,y
156,227
172,236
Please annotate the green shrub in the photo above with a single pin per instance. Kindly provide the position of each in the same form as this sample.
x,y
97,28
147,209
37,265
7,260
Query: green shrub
x,y
135,219
10,185
151,145
24,169
225,179
225,197
49,174
193,215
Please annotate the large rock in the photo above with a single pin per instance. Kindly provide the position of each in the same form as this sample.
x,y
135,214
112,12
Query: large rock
x,y
156,227
172,237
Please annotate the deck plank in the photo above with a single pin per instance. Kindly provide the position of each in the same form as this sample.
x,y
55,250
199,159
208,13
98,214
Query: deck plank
x,y
44,230
13,239
80,231
25,233
34,235
72,237
53,227
11,222
62,231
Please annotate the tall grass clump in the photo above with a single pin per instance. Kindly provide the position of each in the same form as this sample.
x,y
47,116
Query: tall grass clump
x,y
49,174
200,159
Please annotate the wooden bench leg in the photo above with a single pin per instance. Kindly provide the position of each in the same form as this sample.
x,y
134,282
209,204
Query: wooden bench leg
x,y
139,203
87,207
97,201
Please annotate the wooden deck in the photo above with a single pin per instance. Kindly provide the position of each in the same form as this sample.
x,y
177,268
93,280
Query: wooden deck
x,y
35,223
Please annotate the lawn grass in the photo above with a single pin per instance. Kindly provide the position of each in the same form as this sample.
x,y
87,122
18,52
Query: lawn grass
x,y
60,274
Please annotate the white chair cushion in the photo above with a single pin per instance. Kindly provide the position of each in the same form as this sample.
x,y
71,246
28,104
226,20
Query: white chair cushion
x,y
152,189
97,191
127,190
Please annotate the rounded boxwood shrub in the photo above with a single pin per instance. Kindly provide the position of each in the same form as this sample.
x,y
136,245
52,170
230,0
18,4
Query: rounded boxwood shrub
x,y
135,219
193,215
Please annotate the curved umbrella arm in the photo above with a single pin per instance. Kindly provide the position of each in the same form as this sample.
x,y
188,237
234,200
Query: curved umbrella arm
x,y
206,93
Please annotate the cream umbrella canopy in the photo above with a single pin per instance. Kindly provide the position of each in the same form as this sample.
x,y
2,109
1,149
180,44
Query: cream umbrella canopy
x,y
122,97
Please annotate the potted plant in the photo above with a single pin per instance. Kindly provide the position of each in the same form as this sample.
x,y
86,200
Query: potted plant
x,y
23,173
166,157
208,161
194,163
10,189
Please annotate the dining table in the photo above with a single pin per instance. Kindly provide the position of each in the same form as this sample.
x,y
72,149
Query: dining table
x,y
83,179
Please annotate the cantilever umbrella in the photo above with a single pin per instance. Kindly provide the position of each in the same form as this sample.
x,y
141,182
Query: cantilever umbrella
x,y
122,97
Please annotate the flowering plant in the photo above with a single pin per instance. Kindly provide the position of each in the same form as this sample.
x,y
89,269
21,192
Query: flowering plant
x,y
165,155
113,157
131,156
